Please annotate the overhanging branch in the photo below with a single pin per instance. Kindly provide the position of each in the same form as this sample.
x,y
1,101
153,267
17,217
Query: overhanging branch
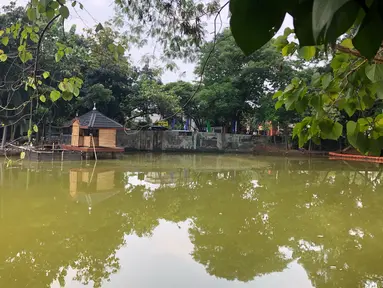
x,y
356,53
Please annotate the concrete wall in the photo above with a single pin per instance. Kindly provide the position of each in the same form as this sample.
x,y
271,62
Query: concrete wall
x,y
192,141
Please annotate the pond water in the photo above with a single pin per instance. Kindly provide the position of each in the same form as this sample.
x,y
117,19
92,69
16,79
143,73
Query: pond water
x,y
192,221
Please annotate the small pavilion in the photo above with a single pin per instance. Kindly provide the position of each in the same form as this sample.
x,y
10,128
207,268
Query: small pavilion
x,y
94,132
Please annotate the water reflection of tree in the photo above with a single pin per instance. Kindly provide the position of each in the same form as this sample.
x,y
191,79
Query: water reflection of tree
x,y
239,226
331,220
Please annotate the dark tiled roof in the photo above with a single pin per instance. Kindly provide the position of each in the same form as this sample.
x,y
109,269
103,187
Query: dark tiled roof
x,y
95,119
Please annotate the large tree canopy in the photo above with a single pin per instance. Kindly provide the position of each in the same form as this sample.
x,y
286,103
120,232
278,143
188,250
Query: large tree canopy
x,y
352,84
237,86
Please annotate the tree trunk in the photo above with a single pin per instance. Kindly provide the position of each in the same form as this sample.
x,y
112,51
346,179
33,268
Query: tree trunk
x,y
13,132
4,133
4,137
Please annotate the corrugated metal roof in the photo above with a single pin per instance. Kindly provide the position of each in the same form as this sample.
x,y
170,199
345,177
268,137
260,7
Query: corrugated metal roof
x,y
95,119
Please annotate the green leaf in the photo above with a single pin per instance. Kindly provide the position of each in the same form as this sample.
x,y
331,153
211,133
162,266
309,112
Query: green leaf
x,y
43,99
67,96
293,97
31,13
41,9
254,23
50,14
301,105
326,125
34,37
347,43
44,2
5,41
62,86
46,74
288,31
363,124
307,52
76,91
120,49
68,87
35,128
55,95
326,80
277,94
29,133
99,27
379,120
111,47
342,21
316,79
21,48
54,5
370,34
64,12
297,129
22,155
59,55
379,90
68,50
278,104
289,49
350,108
339,60
60,46
315,102
336,131
374,72
323,13
25,56
3,57
289,88
352,132
81,6
280,42
74,3
303,23
375,146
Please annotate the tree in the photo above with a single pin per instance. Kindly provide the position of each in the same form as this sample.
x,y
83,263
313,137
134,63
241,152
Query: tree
x,y
193,106
158,99
316,22
319,23
22,46
352,85
236,85
349,89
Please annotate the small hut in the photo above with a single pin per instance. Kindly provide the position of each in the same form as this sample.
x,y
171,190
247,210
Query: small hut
x,y
94,132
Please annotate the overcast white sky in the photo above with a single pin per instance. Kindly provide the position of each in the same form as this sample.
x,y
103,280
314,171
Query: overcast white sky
x,y
103,10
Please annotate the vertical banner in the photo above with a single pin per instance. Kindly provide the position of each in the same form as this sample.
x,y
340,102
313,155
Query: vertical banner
x,y
208,127
186,126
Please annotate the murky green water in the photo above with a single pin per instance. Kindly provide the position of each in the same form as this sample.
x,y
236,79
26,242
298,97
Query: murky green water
x,y
192,221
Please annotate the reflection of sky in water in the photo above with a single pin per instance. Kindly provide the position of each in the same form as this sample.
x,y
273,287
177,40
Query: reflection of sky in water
x,y
133,181
164,260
